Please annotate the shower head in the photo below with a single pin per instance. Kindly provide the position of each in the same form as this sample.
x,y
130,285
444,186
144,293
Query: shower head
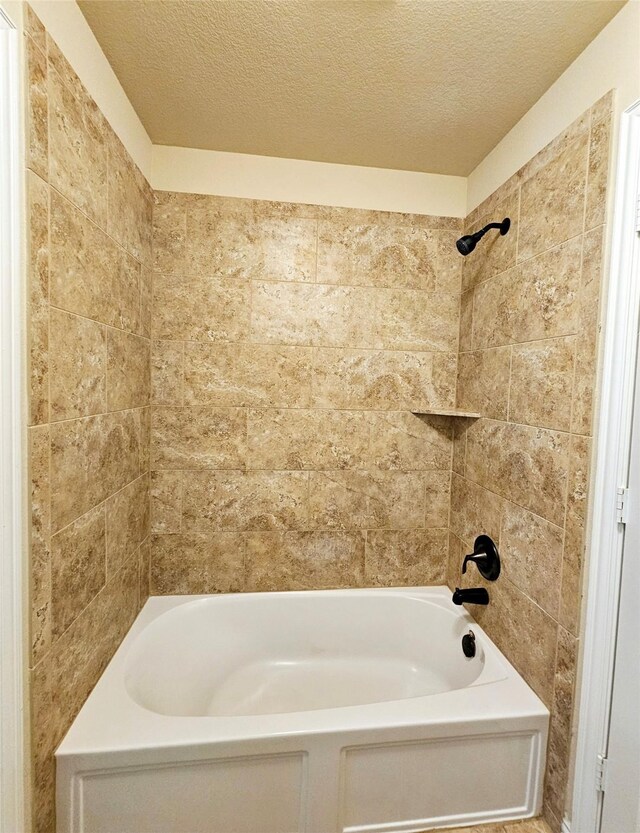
x,y
467,244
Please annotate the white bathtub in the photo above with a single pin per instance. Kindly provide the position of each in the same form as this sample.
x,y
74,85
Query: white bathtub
x,y
346,710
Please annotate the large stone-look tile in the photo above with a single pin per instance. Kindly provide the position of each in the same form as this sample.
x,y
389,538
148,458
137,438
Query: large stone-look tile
x,y
525,464
63,679
400,440
460,427
198,438
474,511
321,315
91,458
130,203
252,500
378,255
380,380
40,543
541,383
498,252
37,110
192,564
77,152
34,27
246,375
143,426
169,231
572,573
552,201
167,372
304,560
413,557
437,499
535,300
531,553
465,340
483,382
90,274
146,296
366,216
78,567
587,339
367,500
416,320
127,515
267,249
524,633
37,298
77,366
200,307
166,501
577,492
144,572
598,173
128,371
307,439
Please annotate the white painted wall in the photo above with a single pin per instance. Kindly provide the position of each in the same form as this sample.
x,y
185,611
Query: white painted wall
x,y
297,180
611,61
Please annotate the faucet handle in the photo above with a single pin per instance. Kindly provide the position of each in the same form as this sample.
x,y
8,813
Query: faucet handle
x,y
485,557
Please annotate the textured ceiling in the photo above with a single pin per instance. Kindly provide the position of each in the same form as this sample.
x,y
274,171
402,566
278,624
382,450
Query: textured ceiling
x,y
422,85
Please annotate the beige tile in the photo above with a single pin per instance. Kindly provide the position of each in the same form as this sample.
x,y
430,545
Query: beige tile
x,y
572,569
186,564
474,511
268,249
127,523
37,128
246,375
437,499
531,553
527,465
200,308
307,439
72,82
405,557
143,424
367,500
91,459
598,173
321,315
579,459
78,366
466,341
378,255
416,320
128,371
78,562
166,501
146,294
564,685
37,298
144,566
90,274
364,216
304,560
130,203
587,340
536,300
34,27
603,107
167,372
198,438
273,209
449,262
496,253
381,380
541,383
552,201
483,382
460,427
40,549
254,500
77,152
511,619
400,440
169,233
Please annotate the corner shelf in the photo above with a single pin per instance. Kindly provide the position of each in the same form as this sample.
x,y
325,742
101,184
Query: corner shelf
x,y
452,412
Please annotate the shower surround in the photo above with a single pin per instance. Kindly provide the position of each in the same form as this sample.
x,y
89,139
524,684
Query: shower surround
x,y
262,401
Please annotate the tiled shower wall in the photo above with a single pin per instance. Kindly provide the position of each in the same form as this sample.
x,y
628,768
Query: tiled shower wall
x,y
529,331
289,345
89,214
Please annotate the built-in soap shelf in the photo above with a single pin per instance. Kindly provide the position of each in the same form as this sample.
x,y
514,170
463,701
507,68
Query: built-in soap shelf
x,y
452,412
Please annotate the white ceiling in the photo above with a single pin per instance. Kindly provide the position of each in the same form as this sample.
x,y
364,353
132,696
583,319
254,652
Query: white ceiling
x,y
421,85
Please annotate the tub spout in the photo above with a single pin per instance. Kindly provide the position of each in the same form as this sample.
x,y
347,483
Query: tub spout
x,y
474,596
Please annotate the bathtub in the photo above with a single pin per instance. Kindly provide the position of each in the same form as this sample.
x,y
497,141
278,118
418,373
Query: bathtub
x,y
345,710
